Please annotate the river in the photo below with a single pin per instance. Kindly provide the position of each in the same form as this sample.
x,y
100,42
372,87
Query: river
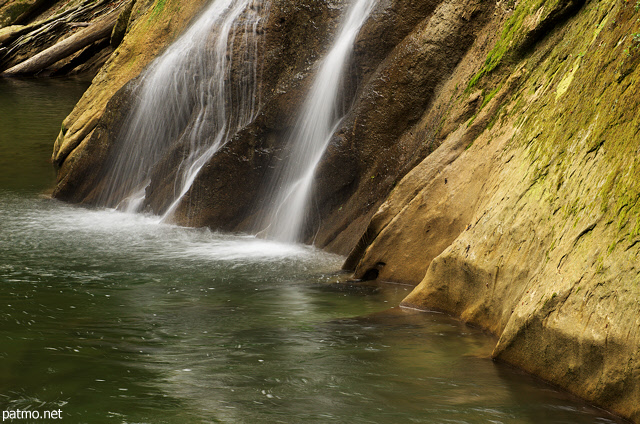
x,y
115,318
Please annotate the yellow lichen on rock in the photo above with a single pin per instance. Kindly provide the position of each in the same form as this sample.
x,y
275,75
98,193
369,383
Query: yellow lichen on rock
x,y
566,81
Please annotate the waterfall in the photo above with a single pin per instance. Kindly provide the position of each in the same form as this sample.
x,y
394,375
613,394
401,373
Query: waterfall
x,y
289,190
205,88
189,102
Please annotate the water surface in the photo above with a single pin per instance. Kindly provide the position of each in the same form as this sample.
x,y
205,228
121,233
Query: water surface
x,y
31,114
115,318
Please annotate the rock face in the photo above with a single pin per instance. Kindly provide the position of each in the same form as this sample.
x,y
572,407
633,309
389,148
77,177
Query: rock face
x,y
490,156
526,220
17,12
93,125
364,159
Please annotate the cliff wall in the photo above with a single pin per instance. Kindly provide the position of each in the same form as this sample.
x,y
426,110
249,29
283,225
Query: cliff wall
x,y
526,220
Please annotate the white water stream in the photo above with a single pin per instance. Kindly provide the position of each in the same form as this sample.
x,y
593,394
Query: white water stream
x,y
199,93
203,90
291,187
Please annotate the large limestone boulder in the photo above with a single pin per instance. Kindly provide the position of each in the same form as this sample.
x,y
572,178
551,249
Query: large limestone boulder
x,y
383,136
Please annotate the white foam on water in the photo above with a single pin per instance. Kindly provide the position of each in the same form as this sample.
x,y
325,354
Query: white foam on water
x,y
100,231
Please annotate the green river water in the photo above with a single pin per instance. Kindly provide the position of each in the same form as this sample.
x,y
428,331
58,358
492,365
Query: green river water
x,y
115,318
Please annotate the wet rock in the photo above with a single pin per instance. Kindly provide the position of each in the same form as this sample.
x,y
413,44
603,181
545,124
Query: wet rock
x,y
122,24
379,130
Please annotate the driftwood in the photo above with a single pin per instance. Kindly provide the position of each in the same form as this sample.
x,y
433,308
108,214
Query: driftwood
x,y
94,32
42,35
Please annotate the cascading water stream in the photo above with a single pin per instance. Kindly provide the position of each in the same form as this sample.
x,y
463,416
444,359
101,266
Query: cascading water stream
x,y
191,101
291,186
202,91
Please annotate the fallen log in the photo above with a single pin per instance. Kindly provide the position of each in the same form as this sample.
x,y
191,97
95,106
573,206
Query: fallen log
x,y
40,35
94,32
10,32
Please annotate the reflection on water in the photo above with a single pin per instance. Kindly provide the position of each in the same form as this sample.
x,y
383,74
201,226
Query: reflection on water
x,y
115,318
31,113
